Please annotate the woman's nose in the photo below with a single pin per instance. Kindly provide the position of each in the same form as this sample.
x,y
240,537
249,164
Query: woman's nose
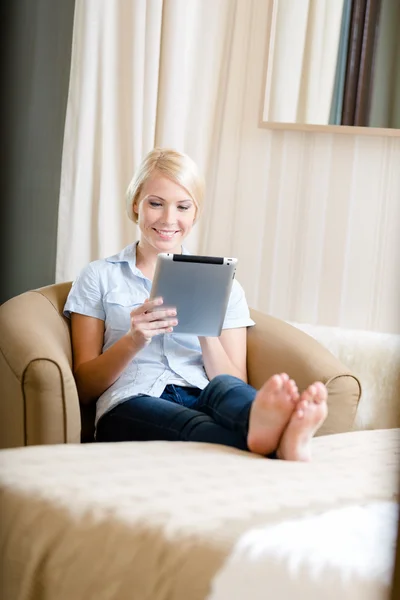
x,y
169,214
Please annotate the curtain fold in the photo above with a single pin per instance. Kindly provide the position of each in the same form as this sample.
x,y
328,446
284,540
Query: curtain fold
x,y
360,60
368,51
353,61
110,123
385,101
340,75
319,61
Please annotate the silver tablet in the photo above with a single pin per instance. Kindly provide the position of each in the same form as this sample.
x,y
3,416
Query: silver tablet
x,y
198,286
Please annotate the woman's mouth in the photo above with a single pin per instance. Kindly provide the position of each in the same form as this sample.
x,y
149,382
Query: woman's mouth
x,y
165,234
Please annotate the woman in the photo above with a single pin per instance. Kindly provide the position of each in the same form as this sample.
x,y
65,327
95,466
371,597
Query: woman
x,y
152,384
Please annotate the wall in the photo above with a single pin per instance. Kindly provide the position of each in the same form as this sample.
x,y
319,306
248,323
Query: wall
x,y
36,39
313,217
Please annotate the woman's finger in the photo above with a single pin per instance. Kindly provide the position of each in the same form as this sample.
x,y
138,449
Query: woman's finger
x,y
147,306
153,325
155,332
157,315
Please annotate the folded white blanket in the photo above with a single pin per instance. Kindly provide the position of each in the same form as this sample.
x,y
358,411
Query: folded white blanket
x,y
347,553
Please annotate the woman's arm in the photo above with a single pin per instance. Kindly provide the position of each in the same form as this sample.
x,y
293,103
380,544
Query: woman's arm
x,y
226,354
95,371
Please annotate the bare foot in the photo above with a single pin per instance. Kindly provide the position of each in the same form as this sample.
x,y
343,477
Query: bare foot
x,y
308,416
270,413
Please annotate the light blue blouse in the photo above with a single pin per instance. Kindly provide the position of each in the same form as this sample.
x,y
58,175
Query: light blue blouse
x,y
109,289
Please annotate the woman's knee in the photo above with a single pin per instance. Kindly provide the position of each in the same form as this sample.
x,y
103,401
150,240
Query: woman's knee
x,y
226,381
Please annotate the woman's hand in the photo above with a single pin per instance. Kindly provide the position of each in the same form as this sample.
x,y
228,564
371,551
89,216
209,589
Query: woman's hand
x,y
148,320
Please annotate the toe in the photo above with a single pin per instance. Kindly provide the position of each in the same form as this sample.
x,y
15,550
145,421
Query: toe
x,y
316,392
274,383
321,392
287,386
307,395
301,408
312,390
292,390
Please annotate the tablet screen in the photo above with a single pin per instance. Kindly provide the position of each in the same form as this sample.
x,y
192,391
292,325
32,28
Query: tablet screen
x,y
198,287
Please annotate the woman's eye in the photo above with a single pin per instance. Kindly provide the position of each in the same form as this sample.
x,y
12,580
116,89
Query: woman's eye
x,y
183,207
154,203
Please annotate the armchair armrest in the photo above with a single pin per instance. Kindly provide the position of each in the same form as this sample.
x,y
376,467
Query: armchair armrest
x,y
274,346
375,358
39,401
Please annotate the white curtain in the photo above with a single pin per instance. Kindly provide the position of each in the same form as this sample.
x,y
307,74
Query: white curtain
x,y
301,70
144,73
110,123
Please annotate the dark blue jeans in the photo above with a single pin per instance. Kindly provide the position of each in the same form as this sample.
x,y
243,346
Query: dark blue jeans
x,y
219,414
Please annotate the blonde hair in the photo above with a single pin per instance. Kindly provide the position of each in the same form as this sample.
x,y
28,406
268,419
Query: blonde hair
x,y
170,163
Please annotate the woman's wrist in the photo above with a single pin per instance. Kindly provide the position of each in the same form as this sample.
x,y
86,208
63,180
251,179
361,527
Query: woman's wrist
x,y
131,345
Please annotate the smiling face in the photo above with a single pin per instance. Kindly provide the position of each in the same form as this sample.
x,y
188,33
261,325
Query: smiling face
x,y
166,214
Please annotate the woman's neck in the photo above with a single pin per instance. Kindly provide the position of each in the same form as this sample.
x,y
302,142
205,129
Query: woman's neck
x,y
146,258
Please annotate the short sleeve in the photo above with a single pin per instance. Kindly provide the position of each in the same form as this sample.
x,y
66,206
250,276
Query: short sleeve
x,y
85,296
237,313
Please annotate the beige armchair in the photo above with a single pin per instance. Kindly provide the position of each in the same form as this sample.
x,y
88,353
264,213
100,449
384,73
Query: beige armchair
x,y
39,402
